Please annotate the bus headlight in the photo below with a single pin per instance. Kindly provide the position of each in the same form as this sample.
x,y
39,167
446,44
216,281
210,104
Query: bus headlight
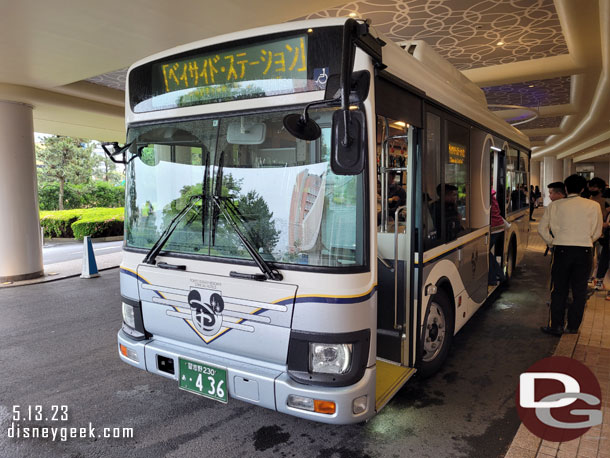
x,y
329,358
129,316
133,322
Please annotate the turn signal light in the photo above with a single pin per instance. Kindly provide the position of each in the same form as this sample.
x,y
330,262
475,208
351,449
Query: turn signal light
x,y
128,353
327,407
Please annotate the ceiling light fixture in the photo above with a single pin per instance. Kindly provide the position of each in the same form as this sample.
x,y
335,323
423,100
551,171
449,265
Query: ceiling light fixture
x,y
352,15
500,43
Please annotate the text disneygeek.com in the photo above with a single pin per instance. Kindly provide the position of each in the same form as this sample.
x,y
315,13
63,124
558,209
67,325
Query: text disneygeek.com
x,y
18,429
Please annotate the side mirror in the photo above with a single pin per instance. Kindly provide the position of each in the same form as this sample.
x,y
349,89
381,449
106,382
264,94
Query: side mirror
x,y
349,143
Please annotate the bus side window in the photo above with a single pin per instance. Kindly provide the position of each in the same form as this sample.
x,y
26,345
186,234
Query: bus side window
x,y
456,196
431,177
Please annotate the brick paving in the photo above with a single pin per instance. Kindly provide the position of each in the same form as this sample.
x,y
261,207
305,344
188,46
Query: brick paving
x,y
590,346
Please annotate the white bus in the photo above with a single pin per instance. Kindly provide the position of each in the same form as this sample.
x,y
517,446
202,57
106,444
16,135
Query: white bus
x,y
259,262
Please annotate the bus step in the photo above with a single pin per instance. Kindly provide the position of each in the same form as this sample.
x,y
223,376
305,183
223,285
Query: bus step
x,y
390,378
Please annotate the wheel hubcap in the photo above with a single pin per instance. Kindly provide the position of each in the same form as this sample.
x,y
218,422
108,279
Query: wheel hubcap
x,y
434,332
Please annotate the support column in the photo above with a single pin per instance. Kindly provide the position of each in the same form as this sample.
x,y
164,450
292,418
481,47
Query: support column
x,y
20,242
568,168
535,179
553,171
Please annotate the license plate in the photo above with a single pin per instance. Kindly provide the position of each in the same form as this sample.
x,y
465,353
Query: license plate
x,y
204,380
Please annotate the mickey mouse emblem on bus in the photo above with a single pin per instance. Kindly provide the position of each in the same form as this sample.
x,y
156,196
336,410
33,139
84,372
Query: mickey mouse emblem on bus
x,y
207,315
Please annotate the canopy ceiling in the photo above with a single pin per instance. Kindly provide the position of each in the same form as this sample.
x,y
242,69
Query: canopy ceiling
x,y
550,58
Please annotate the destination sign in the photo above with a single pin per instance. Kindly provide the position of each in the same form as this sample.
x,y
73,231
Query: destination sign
x,y
236,73
457,153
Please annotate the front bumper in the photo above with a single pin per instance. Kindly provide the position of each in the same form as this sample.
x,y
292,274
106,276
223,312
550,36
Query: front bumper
x,y
264,384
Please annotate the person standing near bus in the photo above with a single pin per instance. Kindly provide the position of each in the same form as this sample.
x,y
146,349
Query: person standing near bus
x,y
537,196
532,199
596,188
557,190
497,228
575,224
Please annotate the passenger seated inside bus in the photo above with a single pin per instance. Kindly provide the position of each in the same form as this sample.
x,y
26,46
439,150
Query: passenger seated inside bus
x,y
453,217
397,197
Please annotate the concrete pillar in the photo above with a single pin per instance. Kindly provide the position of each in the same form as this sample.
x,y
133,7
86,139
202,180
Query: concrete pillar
x,y
568,168
20,242
552,171
535,173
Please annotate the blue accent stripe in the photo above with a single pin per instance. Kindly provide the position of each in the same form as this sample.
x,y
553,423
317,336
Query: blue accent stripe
x,y
132,274
336,300
137,277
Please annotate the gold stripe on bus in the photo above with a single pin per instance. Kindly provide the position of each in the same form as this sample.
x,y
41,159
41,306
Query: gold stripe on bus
x,y
455,247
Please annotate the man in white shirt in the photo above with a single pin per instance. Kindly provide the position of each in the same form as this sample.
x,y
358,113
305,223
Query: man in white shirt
x,y
570,225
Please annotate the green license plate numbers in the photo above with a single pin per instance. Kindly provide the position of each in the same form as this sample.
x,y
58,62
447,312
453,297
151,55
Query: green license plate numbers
x,y
204,380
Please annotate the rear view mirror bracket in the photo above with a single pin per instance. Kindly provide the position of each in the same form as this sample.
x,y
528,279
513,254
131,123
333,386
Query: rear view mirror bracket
x,y
118,151
349,141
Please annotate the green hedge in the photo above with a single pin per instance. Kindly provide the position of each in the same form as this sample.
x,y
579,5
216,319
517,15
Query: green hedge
x,y
59,223
96,194
94,222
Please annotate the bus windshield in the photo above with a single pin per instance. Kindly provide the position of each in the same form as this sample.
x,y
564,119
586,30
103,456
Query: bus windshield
x,y
288,203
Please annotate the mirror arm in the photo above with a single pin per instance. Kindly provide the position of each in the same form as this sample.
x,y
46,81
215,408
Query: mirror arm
x,y
305,115
122,150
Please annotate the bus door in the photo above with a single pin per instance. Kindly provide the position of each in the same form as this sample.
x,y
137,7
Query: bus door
x,y
498,182
395,244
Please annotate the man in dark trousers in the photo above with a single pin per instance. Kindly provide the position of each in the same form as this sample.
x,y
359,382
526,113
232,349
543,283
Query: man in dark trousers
x,y
575,224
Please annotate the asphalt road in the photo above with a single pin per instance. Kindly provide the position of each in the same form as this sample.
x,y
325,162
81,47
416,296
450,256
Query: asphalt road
x,y
59,252
58,348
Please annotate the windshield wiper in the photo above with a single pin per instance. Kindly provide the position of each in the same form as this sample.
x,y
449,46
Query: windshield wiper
x,y
204,193
217,192
269,273
229,215
173,224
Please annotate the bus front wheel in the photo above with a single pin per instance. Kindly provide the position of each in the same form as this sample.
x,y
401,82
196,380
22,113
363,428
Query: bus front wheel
x,y
437,334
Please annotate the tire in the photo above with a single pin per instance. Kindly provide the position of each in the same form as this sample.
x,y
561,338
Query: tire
x,y
437,334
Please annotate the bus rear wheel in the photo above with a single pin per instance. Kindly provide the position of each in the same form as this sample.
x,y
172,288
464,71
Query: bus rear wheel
x,y
437,334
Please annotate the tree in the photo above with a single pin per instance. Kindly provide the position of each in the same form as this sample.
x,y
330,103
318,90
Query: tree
x,y
257,219
64,159
256,214
106,170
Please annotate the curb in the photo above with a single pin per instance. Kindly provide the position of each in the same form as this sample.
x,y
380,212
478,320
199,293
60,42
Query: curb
x,y
114,238
55,279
